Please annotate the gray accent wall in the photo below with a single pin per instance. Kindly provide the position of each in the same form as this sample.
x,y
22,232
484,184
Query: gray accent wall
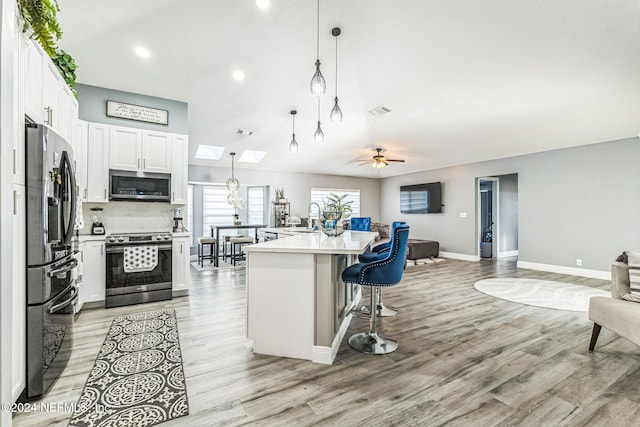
x,y
580,202
508,217
93,108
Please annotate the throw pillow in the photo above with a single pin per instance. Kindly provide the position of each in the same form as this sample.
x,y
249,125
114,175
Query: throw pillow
x,y
384,230
634,277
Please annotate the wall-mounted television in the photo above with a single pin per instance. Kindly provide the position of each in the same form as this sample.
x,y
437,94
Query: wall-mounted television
x,y
421,198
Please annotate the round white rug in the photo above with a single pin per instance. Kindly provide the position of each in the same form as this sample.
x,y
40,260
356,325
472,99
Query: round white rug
x,y
541,293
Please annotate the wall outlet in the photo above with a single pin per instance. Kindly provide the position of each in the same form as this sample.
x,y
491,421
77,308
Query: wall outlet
x,y
579,262
463,214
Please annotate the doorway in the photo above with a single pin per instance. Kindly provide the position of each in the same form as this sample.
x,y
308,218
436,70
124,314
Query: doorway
x,y
488,217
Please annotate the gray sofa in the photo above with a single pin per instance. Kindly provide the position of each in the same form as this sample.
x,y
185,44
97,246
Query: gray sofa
x,y
619,316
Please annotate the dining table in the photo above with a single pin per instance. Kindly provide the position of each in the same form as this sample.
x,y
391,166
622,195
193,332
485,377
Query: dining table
x,y
215,232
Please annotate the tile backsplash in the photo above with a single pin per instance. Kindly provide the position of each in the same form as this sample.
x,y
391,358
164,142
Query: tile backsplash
x,y
131,217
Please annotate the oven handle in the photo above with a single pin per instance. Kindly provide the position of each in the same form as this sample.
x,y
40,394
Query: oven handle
x,y
74,294
68,266
120,249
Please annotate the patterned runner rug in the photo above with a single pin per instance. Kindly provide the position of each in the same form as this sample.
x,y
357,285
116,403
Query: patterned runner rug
x,y
137,379
541,293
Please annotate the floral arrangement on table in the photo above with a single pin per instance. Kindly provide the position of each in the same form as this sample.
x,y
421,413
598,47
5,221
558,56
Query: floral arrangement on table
x,y
336,209
235,200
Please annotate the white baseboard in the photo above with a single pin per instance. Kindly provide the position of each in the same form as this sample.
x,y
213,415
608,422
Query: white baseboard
x,y
463,257
583,272
325,355
507,254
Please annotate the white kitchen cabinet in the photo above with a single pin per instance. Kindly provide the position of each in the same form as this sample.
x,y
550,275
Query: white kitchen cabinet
x,y
93,271
179,173
98,163
80,142
180,264
18,321
139,150
51,79
31,61
156,152
125,148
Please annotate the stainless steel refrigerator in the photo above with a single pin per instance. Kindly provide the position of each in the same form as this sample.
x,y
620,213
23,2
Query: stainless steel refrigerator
x,y
51,290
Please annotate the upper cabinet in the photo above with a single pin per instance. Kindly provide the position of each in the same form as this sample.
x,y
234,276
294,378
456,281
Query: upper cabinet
x,y
47,98
139,150
179,160
98,163
80,143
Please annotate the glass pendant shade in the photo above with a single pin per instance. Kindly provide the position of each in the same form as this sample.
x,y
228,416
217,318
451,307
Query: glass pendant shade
x,y
293,145
232,183
318,135
318,84
336,113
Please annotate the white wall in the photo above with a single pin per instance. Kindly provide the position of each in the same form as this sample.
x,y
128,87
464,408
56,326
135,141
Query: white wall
x,y
580,202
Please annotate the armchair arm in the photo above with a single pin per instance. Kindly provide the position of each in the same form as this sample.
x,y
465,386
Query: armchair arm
x,y
619,280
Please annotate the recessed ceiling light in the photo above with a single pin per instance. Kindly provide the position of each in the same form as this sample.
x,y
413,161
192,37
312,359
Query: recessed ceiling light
x,y
209,152
142,52
251,156
380,110
238,75
263,4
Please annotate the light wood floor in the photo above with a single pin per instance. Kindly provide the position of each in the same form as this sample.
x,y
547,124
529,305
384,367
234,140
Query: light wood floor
x,y
464,359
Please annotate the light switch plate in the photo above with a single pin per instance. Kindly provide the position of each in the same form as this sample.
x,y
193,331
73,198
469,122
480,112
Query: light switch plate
x,y
463,214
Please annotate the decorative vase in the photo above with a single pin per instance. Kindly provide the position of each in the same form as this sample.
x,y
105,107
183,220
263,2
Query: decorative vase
x,y
236,220
331,224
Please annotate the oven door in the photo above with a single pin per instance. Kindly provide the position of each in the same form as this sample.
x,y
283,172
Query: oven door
x,y
119,282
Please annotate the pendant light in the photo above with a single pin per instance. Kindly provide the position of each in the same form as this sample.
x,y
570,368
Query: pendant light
x,y
293,145
318,84
318,135
336,112
232,183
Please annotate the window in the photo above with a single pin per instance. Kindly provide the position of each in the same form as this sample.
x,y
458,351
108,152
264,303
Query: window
x,y
255,205
215,209
319,195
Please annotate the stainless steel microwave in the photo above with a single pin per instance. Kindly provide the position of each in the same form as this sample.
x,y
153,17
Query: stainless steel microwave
x,y
139,186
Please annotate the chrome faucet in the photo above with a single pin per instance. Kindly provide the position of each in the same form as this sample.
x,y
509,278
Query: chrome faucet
x,y
310,224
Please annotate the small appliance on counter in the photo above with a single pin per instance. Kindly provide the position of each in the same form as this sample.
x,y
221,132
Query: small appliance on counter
x,y
178,226
97,226
294,221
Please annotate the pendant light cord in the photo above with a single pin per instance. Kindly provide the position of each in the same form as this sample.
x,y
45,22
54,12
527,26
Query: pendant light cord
x,y
318,38
336,66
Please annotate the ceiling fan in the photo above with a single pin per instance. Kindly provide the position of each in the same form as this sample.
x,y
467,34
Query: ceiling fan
x,y
379,161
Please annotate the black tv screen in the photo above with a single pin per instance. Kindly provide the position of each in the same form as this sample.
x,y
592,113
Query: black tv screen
x,y
421,198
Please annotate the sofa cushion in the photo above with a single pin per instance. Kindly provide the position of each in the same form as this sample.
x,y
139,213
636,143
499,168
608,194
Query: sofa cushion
x,y
634,277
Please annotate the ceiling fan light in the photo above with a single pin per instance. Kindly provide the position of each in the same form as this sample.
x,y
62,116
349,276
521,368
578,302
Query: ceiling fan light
x,y
318,84
336,113
318,135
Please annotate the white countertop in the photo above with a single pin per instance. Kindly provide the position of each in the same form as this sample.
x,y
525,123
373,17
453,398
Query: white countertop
x,y
351,242
91,237
289,231
181,234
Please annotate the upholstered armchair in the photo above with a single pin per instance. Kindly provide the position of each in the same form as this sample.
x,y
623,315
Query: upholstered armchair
x,y
616,314
360,223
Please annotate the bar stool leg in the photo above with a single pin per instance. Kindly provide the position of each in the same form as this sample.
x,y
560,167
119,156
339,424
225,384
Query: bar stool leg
x,y
372,342
200,249
383,310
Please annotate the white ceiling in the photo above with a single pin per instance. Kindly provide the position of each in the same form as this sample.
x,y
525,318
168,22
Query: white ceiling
x,y
466,80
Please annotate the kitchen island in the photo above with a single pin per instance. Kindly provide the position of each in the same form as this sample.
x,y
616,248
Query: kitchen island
x,y
297,304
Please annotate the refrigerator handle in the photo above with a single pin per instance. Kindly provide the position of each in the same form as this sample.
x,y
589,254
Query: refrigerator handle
x,y
68,170
63,304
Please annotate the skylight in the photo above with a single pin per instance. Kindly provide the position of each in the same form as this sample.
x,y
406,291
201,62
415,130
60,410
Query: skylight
x,y
209,152
251,156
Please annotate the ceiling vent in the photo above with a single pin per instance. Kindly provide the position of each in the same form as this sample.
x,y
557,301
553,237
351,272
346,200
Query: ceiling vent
x,y
380,110
244,132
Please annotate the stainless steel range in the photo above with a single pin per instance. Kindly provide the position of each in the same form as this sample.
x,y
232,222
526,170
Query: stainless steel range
x,y
138,268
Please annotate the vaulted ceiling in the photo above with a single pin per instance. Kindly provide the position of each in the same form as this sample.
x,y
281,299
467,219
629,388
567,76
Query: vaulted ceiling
x,y
465,80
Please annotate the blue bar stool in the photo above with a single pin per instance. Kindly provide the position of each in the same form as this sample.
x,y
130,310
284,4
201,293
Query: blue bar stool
x,y
378,253
384,272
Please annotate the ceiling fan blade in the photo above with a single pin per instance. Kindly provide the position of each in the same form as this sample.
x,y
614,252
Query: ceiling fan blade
x,y
394,160
364,162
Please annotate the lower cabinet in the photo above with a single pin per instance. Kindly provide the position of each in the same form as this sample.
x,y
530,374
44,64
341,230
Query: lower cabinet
x,y
92,288
18,321
180,264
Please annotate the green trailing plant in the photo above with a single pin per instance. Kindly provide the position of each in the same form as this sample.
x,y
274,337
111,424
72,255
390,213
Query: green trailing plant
x,y
336,206
40,17
67,67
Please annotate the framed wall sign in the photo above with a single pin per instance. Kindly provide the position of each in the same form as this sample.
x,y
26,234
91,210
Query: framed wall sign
x,y
137,112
